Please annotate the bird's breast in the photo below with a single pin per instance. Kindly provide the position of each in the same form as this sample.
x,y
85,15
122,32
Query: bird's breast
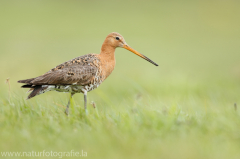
x,y
107,67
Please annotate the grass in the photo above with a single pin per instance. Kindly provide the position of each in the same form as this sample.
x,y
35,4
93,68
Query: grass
x,y
182,109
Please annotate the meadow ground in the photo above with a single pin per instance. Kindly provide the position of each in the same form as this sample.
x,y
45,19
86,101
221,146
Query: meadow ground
x,y
184,108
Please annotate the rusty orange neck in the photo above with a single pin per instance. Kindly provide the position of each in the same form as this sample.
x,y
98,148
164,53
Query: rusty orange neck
x,y
107,51
107,57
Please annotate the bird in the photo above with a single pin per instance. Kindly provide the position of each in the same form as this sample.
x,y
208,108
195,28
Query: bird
x,y
81,74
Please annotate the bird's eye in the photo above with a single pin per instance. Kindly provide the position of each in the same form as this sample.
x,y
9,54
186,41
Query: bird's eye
x,y
117,38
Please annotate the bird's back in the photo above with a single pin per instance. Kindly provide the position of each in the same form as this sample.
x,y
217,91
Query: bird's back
x,y
81,72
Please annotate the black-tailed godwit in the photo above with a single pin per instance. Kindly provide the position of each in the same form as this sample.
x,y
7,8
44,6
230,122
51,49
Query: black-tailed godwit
x,y
81,74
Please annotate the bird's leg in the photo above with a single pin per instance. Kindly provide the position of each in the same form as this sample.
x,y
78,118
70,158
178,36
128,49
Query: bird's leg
x,y
69,102
85,102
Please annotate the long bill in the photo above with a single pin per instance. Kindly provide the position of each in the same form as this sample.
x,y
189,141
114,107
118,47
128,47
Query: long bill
x,y
125,46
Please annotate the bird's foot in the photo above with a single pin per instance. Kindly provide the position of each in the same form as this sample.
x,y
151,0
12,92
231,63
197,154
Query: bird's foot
x,y
67,111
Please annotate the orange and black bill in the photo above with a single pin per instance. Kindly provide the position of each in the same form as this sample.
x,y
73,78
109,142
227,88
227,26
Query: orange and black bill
x,y
125,46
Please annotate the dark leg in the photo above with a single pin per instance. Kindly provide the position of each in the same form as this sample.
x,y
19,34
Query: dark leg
x,y
69,102
85,102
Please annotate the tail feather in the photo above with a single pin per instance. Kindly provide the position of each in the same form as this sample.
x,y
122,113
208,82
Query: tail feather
x,y
26,80
36,91
27,86
30,90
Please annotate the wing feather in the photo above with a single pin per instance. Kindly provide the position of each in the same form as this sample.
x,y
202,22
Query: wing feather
x,y
80,70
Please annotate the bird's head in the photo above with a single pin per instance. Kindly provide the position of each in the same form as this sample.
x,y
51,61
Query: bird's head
x,y
116,40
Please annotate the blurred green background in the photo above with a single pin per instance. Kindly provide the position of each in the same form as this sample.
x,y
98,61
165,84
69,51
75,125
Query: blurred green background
x,y
195,43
